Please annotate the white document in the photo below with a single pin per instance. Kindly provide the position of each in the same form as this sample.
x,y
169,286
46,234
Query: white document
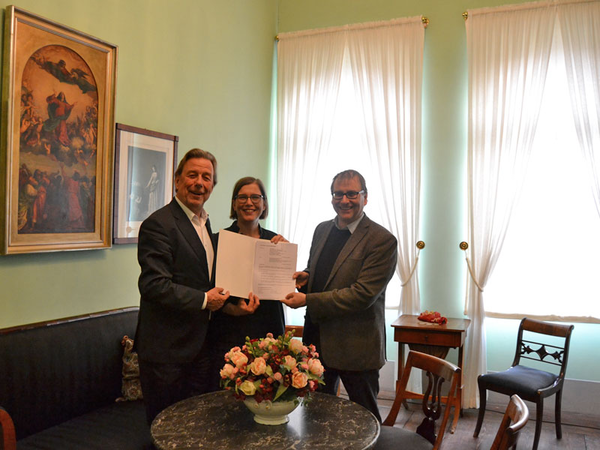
x,y
245,264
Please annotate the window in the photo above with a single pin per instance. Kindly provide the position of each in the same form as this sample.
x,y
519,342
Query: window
x,y
350,98
347,150
550,260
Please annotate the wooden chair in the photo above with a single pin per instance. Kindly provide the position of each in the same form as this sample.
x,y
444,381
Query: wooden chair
x,y
515,418
297,329
438,371
530,383
9,441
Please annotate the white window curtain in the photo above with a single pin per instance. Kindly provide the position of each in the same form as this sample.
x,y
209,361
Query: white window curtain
x,y
508,52
552,248
580,28
387,66
309,70
385,61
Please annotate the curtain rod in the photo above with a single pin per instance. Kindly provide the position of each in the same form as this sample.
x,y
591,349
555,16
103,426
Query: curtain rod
x,y
424,21
532,5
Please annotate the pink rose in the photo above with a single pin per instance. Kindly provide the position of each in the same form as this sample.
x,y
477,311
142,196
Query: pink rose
x,y
315,367
264,343
278,376
299,380
238,358
231,352
289,362
259,366
228,371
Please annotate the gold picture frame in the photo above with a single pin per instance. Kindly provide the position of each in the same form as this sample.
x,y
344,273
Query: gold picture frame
x,y
56,152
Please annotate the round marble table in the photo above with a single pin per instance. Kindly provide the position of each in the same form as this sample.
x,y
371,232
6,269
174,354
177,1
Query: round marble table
x,y
219,421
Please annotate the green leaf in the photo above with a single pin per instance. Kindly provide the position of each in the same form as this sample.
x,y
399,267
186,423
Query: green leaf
x,y
280,391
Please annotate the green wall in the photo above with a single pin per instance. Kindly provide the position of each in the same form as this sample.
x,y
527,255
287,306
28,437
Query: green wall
x,y
198,69
442,271
202,70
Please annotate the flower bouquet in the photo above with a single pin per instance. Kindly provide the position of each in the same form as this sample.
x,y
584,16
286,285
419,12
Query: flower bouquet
x,y
268,371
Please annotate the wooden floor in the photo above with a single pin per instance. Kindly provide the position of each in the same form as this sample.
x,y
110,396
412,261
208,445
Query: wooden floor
x,y
575,437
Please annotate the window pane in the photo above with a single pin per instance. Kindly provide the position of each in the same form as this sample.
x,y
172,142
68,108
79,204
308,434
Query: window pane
x,y
550,261
347,151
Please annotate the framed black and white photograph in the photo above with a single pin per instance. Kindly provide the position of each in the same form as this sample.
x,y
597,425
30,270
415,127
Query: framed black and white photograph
x,y
144,178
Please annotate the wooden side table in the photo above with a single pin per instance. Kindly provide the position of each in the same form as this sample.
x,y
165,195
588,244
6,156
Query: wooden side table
x,y
434,339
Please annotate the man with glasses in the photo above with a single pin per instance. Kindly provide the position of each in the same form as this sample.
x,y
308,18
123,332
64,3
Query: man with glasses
x,y
351,261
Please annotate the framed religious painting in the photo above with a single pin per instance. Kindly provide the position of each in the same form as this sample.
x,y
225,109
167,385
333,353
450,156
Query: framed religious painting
x,y
144,178
56,154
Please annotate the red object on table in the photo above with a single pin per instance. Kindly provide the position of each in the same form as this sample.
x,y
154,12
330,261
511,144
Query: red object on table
x,y
433,317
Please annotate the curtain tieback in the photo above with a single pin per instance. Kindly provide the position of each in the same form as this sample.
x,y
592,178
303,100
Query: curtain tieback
x,y
420,246
464,246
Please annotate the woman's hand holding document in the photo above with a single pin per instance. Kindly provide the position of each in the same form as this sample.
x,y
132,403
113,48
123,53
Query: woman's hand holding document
x,y
245,264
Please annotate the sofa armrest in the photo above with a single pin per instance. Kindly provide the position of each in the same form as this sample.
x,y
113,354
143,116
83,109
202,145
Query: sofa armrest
x,y
9,441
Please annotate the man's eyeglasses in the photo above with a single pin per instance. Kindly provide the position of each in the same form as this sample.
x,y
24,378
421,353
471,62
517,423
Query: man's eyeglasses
x,y
350,195
244,198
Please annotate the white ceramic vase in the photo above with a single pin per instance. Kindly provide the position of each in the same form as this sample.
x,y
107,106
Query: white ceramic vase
x,y
271,413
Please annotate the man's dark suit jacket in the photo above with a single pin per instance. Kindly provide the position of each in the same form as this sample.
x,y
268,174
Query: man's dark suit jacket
x,y
350,312
171,325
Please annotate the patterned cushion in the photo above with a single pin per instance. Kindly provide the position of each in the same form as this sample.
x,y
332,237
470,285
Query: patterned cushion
x,y
131,387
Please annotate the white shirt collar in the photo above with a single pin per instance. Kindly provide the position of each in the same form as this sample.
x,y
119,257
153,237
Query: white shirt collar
x,y
351,226
188,212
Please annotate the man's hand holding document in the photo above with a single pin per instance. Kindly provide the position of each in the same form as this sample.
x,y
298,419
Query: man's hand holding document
x,y
245,264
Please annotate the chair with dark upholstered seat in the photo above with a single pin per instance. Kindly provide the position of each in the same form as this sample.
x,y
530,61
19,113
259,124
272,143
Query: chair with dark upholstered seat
x,y
438,371
515,418
530,383
7,428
